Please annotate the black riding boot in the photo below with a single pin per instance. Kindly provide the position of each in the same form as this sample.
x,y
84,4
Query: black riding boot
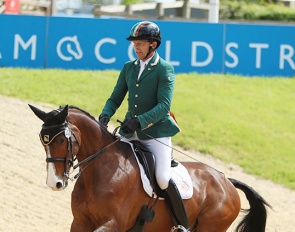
x,y
175,204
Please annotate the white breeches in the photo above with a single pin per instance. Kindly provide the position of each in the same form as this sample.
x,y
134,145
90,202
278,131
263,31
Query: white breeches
x,y
161,149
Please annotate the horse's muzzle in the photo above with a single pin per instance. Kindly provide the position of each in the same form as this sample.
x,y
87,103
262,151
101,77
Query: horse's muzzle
x,y
59,185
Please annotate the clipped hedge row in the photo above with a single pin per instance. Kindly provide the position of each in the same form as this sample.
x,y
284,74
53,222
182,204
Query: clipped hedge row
x,y
234,10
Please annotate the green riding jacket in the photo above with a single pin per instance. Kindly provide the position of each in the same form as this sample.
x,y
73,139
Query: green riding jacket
x,y
149,97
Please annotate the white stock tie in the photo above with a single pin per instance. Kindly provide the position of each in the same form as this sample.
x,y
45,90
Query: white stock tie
x,y
142,67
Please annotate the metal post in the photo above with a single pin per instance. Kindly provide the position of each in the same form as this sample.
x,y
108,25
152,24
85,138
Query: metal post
x,y
186,10
213,11
129,10
53,7
160,10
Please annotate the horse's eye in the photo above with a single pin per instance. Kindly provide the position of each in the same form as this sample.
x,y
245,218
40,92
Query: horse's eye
x,y
62,141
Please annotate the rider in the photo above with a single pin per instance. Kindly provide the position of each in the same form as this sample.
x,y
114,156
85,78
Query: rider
x,y
149,81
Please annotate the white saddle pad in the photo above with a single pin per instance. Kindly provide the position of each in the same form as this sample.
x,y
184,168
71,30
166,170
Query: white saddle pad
x,y
179,174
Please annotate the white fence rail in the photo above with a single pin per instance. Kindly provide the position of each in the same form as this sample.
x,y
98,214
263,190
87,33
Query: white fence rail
x,y
127,11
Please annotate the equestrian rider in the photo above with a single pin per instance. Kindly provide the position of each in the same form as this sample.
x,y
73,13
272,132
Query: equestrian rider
x,y
149,81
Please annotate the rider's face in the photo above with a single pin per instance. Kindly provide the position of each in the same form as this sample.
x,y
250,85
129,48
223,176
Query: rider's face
x,y
141,48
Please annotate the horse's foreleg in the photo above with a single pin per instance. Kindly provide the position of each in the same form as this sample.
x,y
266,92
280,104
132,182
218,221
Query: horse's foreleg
x,y
81,227
110,226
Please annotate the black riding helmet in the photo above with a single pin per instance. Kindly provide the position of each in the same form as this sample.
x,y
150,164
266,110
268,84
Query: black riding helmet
x,y
145,31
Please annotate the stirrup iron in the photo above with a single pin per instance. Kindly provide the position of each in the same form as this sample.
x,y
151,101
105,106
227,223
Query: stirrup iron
x,y
179,227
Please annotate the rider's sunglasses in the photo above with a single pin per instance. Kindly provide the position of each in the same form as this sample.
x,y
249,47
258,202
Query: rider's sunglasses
x,y
139,43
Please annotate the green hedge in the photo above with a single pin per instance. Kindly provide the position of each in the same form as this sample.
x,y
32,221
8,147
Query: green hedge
x,y
236,10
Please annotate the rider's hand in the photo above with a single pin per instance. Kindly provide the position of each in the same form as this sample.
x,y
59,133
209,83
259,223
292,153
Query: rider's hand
x,y
130,125
104,119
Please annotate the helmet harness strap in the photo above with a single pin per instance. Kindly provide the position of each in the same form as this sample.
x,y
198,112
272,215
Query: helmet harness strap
x,y
151,49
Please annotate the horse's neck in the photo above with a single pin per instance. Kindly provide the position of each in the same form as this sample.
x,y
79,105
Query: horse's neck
x,y
93,141
116,158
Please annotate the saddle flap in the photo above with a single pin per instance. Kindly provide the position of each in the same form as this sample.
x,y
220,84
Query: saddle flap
x,y
146,158
147,171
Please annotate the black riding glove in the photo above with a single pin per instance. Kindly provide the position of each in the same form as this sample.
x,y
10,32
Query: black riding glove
x,y
130,125
104,119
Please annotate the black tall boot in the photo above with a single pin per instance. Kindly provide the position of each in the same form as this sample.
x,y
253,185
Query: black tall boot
x,y
175,204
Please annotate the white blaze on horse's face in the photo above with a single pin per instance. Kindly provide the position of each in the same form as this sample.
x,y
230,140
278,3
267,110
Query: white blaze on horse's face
x,y
54,181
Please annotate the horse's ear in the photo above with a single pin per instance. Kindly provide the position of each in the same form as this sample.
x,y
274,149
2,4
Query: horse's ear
x,y
62,114
39,113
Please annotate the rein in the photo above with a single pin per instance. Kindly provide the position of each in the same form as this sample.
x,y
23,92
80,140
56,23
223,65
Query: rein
x,y
91,158
68,134
151,137
94,156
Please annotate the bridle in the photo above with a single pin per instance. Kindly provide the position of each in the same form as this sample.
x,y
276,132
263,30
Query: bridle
x,y
52,133
70,158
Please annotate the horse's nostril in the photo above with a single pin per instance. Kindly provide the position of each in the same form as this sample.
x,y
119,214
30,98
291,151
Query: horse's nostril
x,y
58,185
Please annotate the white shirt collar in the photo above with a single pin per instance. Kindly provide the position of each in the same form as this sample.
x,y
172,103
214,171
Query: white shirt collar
x,y
144,63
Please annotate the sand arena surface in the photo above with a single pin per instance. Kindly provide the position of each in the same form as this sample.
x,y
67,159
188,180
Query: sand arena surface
x,y
27,204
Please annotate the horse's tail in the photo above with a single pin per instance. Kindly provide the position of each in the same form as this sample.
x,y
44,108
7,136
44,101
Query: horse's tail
x,y
255,220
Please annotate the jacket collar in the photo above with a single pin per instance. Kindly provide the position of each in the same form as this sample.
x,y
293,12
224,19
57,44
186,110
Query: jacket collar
x,y
149,68
153,62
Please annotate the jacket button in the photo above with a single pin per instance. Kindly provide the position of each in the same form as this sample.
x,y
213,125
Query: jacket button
x,y
149,125
136,95
137,85
135,106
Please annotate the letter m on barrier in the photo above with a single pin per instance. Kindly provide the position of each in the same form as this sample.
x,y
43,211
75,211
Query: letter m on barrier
x,y
18,41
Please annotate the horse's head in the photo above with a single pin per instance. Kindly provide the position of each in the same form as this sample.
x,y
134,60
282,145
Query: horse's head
x,y
60,143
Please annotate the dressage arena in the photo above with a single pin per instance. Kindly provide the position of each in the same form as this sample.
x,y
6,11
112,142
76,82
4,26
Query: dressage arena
x,y
26,204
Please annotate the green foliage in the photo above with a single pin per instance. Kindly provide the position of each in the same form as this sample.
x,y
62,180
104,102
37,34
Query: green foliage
x,y
246,121
245,10
129,2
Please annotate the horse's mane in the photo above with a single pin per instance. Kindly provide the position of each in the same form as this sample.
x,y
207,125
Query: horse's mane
x,y
92,118
83,111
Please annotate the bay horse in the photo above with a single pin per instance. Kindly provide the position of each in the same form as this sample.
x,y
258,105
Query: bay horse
x,y
108,195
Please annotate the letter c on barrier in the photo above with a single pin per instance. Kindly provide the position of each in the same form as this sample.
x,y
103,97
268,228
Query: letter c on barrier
x,y
97,49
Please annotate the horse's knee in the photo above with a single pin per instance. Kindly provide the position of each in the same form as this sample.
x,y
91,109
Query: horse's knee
x,y
163,182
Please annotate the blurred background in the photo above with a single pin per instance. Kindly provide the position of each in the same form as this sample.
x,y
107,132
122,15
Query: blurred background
x,y
194,10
